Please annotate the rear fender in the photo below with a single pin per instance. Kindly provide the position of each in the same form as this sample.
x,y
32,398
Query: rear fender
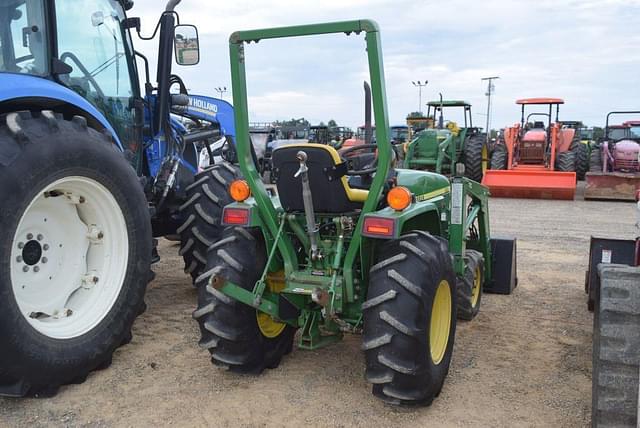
x,y
565,138
255,221
424,216
511,136
26,92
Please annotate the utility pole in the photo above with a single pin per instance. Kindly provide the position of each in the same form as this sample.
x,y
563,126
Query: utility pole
x,y
419,85
221,90
490,89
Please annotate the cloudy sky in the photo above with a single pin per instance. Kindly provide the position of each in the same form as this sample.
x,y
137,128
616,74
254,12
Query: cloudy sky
x,y
585,51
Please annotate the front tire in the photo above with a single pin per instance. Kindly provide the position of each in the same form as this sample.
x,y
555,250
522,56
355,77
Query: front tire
x,y
470,286
410,319
236,335
75,236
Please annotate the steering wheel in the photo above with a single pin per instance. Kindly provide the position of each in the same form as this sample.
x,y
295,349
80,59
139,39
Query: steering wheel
x,y
84,71
367,169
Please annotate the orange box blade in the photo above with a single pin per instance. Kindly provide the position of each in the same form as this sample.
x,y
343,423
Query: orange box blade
x,y
530,183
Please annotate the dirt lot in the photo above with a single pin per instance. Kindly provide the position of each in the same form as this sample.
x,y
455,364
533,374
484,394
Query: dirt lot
x,y
524,361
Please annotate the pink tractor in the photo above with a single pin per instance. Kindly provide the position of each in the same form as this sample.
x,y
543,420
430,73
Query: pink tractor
x,y
614,171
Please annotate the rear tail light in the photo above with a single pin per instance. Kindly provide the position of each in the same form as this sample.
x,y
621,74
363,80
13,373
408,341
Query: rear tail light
x,y
235,216
378,227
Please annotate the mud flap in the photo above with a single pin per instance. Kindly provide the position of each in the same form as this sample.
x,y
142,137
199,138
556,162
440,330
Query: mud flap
x,y
505,277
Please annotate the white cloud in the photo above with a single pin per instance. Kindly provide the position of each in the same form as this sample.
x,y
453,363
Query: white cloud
x,y
585,51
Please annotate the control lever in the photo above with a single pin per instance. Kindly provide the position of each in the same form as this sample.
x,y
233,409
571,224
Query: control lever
x,y
307,199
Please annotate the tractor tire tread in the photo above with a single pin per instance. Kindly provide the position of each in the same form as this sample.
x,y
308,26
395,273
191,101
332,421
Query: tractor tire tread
x,y
229,324
35,365
395,319
206,197
499,157
473,160
616,346
466,309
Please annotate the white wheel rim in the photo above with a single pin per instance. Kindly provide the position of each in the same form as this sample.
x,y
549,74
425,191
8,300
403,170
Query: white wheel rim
x,y
69,257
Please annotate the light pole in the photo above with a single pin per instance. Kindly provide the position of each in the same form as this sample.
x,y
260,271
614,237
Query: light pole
x,y
490,88
221,90
419,85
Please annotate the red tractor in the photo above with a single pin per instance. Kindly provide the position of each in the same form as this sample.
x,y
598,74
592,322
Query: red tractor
x,y
614,171
534,160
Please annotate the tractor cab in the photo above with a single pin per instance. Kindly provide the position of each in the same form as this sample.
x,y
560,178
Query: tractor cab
x,y
84,46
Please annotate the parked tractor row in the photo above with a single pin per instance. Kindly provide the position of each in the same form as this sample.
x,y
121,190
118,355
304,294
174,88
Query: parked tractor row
x,y
345,242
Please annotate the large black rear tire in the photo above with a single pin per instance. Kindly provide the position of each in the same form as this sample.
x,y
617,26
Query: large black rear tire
x,y
40,351
410,302
499,157
595,160
616,348
202,213
581,156
476,157
230,330
566,161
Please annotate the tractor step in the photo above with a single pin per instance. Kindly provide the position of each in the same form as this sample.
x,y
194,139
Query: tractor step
x,y
531,183
617,186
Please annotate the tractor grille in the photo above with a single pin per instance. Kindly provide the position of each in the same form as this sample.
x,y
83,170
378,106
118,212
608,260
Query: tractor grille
x,y
627,165
532,151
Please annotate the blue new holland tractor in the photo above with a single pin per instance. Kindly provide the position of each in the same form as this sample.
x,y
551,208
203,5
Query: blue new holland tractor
x,y
92,168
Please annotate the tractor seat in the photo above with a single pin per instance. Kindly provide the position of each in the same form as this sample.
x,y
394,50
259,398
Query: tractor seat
x,y
330,188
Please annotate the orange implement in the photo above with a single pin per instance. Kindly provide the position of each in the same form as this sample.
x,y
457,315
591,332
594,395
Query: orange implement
x,y
619,186
535,182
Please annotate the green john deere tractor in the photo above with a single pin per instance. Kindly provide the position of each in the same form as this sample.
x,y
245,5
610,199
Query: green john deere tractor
x,y
440,149
346,246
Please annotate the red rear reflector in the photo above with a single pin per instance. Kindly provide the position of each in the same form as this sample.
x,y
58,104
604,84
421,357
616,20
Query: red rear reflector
x,y
376,226
237,216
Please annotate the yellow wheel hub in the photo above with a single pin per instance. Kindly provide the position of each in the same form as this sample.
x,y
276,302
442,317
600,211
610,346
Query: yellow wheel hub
x,y
477,283
485,158
440,325
268,326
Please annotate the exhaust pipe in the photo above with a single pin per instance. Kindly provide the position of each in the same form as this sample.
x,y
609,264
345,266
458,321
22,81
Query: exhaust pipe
x,y
171,5
368,131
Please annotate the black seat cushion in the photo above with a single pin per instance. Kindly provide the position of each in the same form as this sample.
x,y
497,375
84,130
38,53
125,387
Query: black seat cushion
x,y
327,189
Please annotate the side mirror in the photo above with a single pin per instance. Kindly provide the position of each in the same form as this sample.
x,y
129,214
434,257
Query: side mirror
x,y
187,47
97,19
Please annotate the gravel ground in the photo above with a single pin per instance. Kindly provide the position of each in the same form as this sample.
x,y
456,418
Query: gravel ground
x,y
525,361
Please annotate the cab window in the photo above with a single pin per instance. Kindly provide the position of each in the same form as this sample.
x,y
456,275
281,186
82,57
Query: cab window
x,y
23,40
91,41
